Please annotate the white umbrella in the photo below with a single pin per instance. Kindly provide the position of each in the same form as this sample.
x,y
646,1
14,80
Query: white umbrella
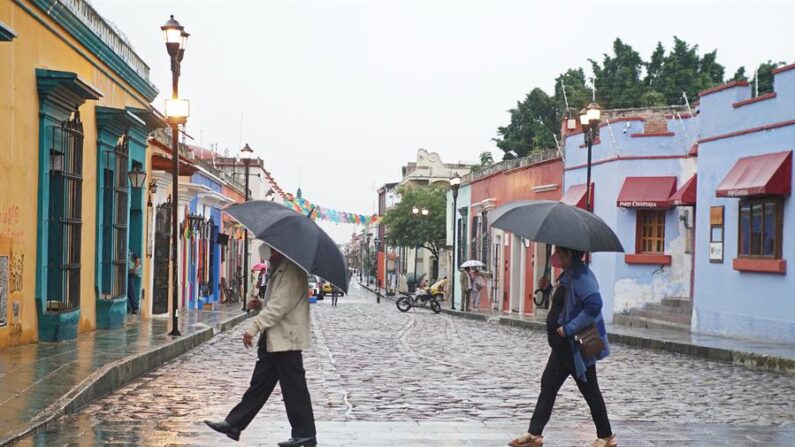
x,y
473,263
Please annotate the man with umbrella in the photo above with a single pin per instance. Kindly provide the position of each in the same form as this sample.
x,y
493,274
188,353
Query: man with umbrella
x,y
299,247
284,328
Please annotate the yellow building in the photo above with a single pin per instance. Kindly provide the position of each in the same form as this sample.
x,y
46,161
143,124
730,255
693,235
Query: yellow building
x,y
74,118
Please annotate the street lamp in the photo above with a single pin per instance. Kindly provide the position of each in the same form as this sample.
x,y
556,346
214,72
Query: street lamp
x,y
590,118
246,154
417,212
455,183
137,177
177,112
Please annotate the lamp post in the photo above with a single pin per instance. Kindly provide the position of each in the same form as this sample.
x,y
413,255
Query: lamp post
x,y
246,154
590,118
455,183
177,112
137,177
417,212
367,257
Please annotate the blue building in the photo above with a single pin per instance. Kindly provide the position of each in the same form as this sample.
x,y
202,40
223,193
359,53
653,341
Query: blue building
x,y
744,211
642,159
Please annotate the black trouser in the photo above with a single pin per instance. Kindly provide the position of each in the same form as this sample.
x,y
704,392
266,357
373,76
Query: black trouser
x,y
559,366
334,297
287,368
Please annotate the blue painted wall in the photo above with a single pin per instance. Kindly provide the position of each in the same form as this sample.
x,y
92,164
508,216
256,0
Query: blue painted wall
x,y
215,214
624,286
729,302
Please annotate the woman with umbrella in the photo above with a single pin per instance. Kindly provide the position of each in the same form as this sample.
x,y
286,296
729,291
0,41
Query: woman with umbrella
x,y
575,325
576,304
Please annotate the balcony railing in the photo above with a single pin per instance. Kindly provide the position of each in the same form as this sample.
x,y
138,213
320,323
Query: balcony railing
x,y
507,165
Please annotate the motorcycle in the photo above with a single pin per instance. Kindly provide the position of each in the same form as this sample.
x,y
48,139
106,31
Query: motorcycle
x,y
422,297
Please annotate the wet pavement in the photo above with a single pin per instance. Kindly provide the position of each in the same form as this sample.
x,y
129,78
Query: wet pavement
x,y
38,380
381,377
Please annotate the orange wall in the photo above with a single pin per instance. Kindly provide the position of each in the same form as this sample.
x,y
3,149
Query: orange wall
x,y
508,186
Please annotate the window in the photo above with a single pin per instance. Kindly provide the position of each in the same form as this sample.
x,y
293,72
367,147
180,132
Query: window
x,y
760,228
650,237
66,193
461,242
485,238
120,219
474,246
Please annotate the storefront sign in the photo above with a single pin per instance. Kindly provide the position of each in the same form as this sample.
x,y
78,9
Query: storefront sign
x,y
639,204
716,234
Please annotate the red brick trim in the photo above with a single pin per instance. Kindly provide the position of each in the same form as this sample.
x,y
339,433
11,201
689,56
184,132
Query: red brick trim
x,y
747,131
619,158
684,116
725,86
693,152
578,130
647,259
753,100
783,69
652,134
760,265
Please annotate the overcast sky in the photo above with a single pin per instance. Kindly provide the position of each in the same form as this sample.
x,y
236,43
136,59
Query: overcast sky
x,y
348,91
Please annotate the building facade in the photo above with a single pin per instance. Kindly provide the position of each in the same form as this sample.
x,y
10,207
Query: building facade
x,y
72,88
744,214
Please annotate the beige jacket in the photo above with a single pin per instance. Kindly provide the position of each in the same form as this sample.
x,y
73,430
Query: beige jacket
x,y
285,317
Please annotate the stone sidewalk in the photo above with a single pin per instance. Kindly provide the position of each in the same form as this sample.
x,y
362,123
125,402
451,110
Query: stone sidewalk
x,y
764,355
42,381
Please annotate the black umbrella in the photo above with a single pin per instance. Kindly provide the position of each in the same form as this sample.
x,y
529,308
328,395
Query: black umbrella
x,y
556,223
295,236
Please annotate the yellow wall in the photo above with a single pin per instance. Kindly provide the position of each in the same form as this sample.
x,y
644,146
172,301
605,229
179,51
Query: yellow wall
x,y
38,47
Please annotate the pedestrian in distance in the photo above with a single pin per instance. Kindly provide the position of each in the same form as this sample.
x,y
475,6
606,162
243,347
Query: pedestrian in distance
x,y
478,283
576,306
465,280
133,280
284,328
335,293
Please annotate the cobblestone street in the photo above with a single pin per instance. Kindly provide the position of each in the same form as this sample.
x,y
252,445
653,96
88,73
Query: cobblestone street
x,y
381,377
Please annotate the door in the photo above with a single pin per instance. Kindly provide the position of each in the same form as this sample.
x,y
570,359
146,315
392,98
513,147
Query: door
x,y
162,246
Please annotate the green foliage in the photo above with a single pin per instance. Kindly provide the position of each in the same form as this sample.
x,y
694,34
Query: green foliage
x,y
486,159
534,121
739,75
617,79
406,229
765,74
684,71
577,92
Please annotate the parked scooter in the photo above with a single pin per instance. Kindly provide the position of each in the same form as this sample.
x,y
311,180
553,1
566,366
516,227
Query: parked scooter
x,y
429,297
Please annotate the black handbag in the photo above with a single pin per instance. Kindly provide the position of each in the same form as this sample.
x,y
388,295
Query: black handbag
x,y
589,341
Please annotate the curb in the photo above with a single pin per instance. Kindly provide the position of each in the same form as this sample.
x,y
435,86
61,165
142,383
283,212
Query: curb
x,y
749,360
117,374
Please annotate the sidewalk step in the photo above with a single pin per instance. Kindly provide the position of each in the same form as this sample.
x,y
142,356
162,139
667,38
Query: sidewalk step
x,y
677,302
670,317
663,308
648,323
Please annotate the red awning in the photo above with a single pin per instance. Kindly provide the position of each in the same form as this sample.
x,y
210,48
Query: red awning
x,y
575,196
686,194
163,162
647,192
768,174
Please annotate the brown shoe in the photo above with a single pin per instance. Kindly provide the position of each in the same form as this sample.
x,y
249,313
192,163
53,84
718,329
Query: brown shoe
x,y
605,442
527,440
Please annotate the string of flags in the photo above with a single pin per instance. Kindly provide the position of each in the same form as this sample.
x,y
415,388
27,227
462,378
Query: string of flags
x,y
306,207
317,212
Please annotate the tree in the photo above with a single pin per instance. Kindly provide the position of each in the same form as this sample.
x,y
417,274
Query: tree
x,y
578,93
534,121
486,159
684,71
739,75
765,75
406,229
654,67
617,79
